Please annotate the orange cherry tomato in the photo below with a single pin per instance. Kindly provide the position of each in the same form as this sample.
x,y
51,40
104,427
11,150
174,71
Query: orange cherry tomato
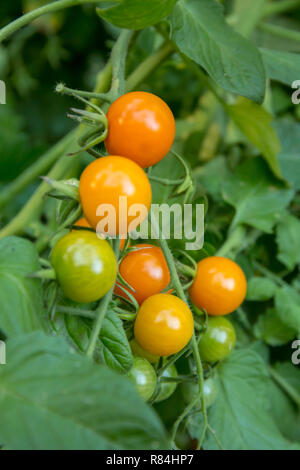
x,y
164,325
141,127
114,182
219,286
145,270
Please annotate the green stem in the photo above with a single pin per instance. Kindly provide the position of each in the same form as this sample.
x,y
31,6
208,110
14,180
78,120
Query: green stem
x,y
62,89
149,65
34,14
100,315
280,7
180,292
76,312
101,311
35,170
280,31
289,390
233,241
118,60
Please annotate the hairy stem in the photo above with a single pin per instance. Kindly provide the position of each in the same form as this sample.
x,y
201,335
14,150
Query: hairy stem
x,y
118,60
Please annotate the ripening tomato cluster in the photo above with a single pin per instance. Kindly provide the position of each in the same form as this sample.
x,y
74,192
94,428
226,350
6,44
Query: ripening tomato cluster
x,y
141,133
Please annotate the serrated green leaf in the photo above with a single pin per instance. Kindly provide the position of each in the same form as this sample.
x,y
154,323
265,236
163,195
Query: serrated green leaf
x,y
255,122
134,14
256,196
239,420
21,305
63,401
287,301
260,289
281,66
287,237
270,328
199,29
116,350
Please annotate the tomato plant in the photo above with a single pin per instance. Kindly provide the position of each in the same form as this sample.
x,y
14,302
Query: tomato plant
x,y
144,378
85,266
141,127
149,225
164,325
145,270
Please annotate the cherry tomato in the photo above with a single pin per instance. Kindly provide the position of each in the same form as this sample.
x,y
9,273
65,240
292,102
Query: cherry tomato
x,y
219,286
218,340
84,223
138,351
143,376
164,325
210,392
103,182
145,270
166,389
85,266
141,127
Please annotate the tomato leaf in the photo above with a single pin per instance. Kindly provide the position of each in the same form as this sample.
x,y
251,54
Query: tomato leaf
x,y
281,66
287,237
255,122
63,401
272,330
260,289
134,14
116,350
199,29
287,301
21,305
256,195
239,421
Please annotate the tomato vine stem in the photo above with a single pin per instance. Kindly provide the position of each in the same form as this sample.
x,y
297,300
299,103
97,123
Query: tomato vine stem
x,y
180,292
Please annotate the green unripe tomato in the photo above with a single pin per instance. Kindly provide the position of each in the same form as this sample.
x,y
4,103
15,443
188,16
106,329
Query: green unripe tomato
x,y
85,266
218,340
190,390
137,350
166,389
143,376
